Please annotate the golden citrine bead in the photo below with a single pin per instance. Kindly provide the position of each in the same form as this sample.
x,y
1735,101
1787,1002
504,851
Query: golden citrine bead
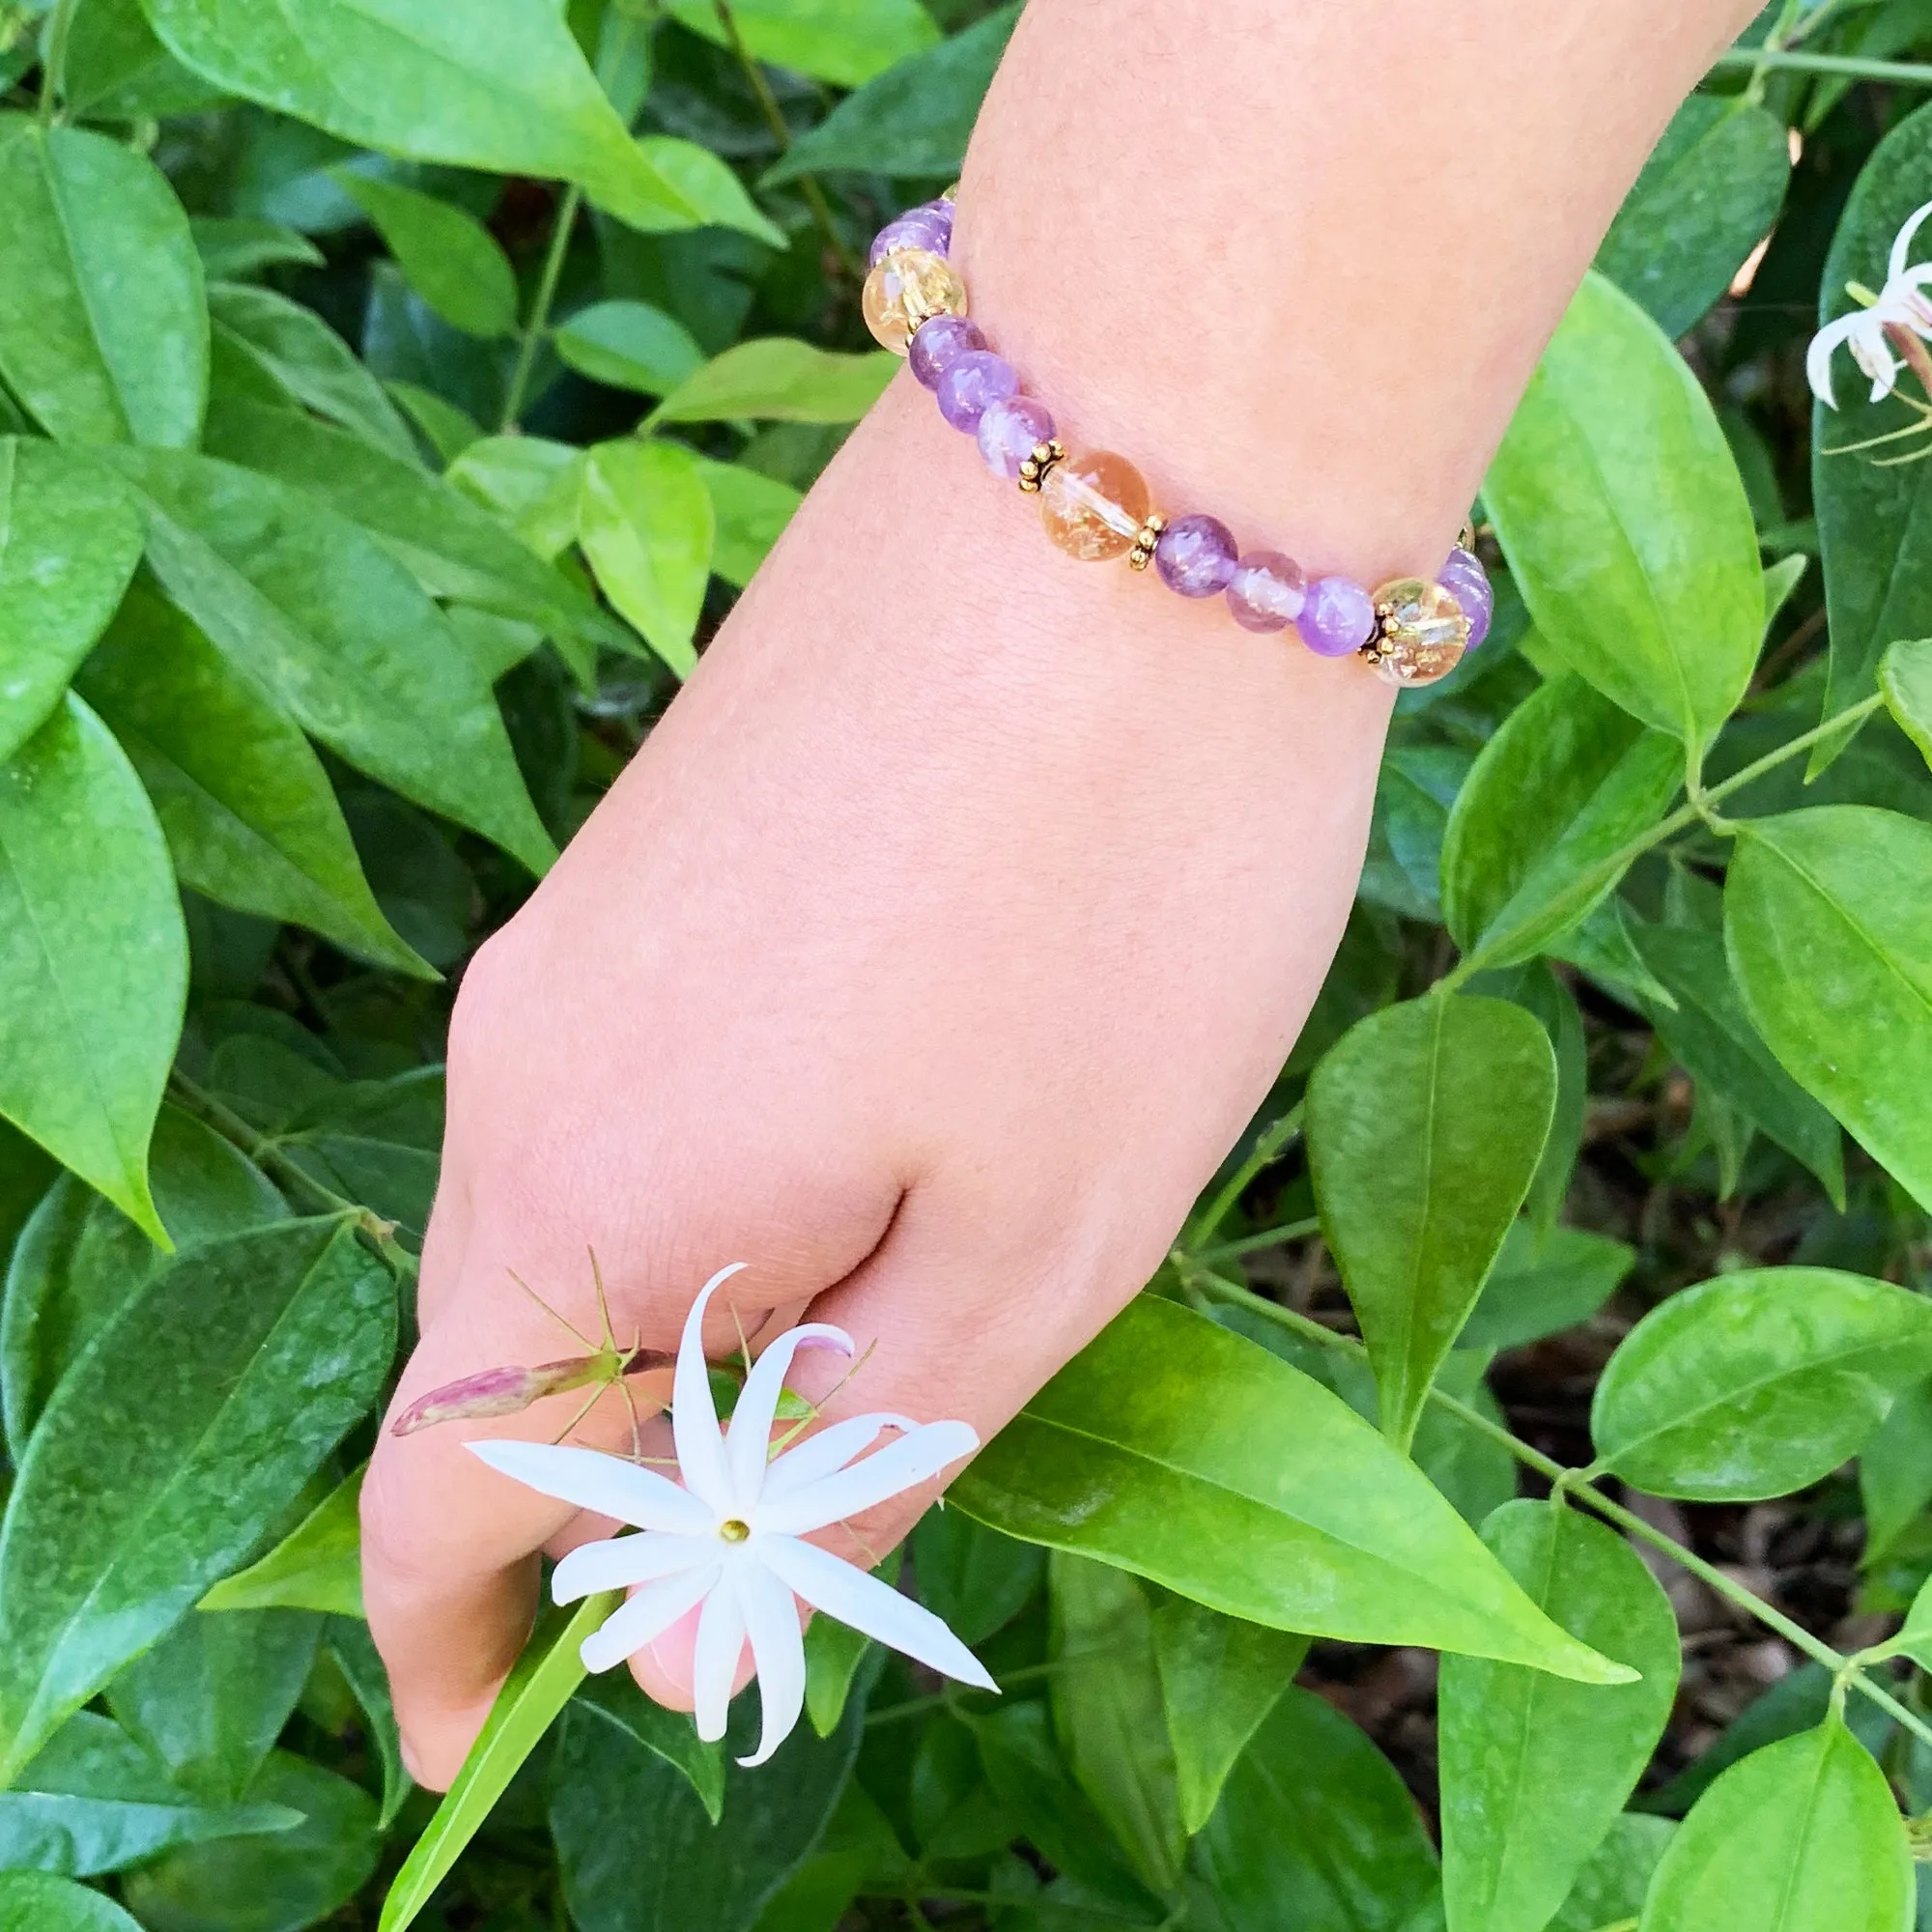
x,y
1422,631
906,288
1093,505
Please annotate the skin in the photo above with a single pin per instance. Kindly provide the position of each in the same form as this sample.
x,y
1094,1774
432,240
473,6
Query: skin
x,y
962,909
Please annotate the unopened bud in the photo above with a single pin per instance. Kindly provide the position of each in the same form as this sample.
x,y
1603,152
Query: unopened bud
x,y
512,1390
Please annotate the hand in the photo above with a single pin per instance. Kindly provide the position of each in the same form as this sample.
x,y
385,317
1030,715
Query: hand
x,y
929,957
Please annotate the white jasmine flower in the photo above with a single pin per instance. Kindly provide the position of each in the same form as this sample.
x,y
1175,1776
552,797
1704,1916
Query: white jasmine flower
x,y
1901,304
731,1538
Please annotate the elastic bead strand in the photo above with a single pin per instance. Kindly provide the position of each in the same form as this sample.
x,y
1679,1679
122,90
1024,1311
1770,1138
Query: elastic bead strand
x,y
1410,631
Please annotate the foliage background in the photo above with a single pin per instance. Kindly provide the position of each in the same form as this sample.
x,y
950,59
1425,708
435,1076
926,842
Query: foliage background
x,y
391,400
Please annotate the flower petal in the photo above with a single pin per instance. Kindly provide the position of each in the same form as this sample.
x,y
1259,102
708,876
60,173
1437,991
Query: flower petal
x,y
749,1441
620,1561
911,1459
714,1662
648,1614
827,1452
1901,246
843,1591
1824,345
694,1415
777,1648
595,1480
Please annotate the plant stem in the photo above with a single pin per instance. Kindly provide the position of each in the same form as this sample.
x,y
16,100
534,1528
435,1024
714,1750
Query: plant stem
x,y
1273,1143
1599,878
268,1154
1902,73
54,64
773,115
1573,1484
537,325
1268,1237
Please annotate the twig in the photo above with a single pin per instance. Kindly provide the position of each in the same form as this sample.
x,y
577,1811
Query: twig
x,y
537,323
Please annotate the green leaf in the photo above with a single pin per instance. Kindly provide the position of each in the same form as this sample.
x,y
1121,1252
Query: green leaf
x,y
1625,521
1542,1286
914,118
706,192
1535,988
629,345
1535,1771
1802,1836
1425,1125
92,955
117,70
497,84
249,814
1552,799
781,380
1707,196
270,349
279,1884
685,1874
339,636
1219,1679
444,427
1874,520
1108,1712
1828,920
234,247
670,1735
531,483
446,254
356,1655
318,1565
1895,1474
38,1902
1178,1450
181,1434
375,1141
1757,1384
750,511
644,521
80,1259
210,1700
103,330
1905,676
1610,1889
1315,1831
972,1576
542,1682
69,539
451,547
846,42
834,1652
1711,1035
93,1801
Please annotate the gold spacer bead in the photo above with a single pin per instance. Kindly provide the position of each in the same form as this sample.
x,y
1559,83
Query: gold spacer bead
x,y
1034,469
1145,540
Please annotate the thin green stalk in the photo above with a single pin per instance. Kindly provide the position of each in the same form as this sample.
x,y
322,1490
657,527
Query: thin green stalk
x,y
781,132
1275,1139
1268,1237
1902,73
1593,881
53,62
1572,1483
537,325
268,1155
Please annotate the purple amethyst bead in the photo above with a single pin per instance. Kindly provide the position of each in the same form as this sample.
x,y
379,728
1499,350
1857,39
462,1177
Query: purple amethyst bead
x,y
1468,582
928,227
1266,591
1337,617
1008,431
971,384
1195,555
938,343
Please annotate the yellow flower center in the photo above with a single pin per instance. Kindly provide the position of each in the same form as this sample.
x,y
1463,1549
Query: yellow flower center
x,y
734,1532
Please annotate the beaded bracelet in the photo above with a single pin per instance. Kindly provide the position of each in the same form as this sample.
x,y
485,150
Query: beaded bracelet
x,y
1096,505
